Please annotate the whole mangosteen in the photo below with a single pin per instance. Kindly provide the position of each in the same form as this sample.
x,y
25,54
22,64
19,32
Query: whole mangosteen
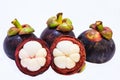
x,y
57,26
98,43
16,35
68,55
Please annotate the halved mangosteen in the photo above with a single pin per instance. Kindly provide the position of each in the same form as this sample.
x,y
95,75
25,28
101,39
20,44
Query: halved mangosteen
x,y
57,26
68,55
32,56
98,43
16,35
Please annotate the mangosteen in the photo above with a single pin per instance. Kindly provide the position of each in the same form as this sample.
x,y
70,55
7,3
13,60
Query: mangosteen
x,y
32,56
98,42
57,26
68,55
16,35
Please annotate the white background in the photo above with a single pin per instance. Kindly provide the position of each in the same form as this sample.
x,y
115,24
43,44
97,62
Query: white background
x,y
81,12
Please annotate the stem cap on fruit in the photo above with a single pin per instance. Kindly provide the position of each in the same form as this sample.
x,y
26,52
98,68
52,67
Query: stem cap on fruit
x,y
60,24
12,31
27,29
65,26
19,29
52,23
106,32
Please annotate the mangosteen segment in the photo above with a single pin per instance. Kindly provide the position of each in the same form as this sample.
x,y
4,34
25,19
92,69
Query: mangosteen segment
x,y
32,57
68,55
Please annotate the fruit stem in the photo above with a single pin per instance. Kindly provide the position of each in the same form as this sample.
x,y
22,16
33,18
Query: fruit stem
x,y
59,18
17,24
99,26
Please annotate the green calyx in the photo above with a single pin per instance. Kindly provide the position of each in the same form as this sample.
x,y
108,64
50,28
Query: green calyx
x,y
26,30
52,22
106,32
59,23
13,31
66,25
99,26
19,29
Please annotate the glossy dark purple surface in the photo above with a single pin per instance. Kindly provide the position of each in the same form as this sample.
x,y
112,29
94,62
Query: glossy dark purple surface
x,y
11,42
49,35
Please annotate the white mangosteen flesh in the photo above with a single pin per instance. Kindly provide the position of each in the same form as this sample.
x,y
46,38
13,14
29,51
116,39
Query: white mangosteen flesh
x,y
32,56
66,54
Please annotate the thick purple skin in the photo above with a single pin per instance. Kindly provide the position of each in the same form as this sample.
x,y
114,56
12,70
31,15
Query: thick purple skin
x,y
98,52
11,42
48,35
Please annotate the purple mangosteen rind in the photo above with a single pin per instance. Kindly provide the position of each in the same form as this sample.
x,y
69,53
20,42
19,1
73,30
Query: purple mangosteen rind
x,y
49,35
10,43
15,35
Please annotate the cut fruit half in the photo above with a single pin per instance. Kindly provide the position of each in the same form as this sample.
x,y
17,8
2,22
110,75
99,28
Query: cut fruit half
x,y
68,55
32,57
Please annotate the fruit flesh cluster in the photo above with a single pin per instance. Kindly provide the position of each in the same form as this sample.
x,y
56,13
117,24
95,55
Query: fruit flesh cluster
x,y
32,56
66,54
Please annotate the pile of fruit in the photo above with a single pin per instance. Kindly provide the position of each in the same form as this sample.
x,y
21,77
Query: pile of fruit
x,y
57,46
